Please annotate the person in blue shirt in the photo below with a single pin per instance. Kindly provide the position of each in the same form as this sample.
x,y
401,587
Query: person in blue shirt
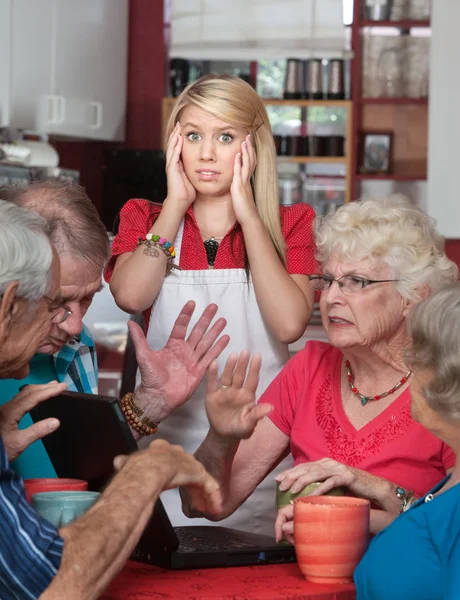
x,y
68,355
418,555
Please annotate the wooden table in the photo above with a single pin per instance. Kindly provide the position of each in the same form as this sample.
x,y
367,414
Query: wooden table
x,y
271,582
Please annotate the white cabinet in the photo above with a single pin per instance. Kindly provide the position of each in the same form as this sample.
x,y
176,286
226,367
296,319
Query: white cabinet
x,y
69,64
5,61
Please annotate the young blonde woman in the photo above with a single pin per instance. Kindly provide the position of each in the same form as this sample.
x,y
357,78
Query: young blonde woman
x,y
234,245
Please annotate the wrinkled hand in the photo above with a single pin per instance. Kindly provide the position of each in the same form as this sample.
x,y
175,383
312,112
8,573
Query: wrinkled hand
x,y
231,404
170,376
241,190
179,187
284,524
17,440
177,468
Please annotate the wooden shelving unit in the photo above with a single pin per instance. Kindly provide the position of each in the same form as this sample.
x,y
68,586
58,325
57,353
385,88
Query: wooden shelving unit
x,y
347,159
407,118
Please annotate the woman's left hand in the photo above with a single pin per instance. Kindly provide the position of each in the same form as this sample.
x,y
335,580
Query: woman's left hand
x,y
241,190
332,474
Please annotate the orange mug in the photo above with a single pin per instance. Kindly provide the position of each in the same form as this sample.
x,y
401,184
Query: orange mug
x,y
53,484
331,535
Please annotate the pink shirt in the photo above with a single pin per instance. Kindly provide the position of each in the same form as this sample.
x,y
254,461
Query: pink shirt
x,y
308,408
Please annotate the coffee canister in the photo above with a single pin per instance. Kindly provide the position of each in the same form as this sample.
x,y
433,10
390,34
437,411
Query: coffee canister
x,y
294,83
313,79
336,79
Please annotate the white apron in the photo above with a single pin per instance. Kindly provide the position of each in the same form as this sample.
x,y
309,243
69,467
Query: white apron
x,y
188,425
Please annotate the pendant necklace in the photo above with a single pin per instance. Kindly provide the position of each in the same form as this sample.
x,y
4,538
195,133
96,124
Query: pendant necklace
x,y
211,245
366,399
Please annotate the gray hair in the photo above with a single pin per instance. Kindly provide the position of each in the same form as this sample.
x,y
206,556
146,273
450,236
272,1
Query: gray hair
x,y
73,221
394,231
434,325
25,252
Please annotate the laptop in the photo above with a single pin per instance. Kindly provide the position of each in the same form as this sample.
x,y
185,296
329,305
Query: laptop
x,y
93,431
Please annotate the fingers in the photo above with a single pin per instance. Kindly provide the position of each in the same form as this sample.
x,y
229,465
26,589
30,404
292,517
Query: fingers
x,y
35,432
255,413
239,374
227,374
213,354
212,378
252,153
252,380
246,162
205,343
179,331
141,347
30,397
237,167
202,325
119,462
285,515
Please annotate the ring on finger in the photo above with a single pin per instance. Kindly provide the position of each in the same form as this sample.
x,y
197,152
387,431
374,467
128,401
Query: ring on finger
x,y
224,387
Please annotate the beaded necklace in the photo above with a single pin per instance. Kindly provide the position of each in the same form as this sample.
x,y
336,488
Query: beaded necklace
x,y
366,399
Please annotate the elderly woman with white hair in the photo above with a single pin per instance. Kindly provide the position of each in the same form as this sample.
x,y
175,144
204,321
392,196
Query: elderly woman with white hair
x,y
432,525
342,408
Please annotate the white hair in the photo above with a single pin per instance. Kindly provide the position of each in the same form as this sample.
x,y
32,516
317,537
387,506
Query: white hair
x,y
394,231
25,252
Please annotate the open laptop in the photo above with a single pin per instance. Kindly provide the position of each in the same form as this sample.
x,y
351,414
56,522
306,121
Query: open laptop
x,y
93,431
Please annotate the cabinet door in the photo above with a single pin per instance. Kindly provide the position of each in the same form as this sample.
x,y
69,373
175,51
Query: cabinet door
x,y
31,61
5,61
91,50
109,72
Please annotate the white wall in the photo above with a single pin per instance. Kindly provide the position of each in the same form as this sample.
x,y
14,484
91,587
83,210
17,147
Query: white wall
x,y
443,202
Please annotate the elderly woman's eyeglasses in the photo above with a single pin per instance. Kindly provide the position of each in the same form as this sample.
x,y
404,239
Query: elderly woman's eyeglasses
x,y
349,284
59,312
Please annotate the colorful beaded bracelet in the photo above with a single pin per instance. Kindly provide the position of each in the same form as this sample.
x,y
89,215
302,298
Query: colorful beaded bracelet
x,y
153,242
133,414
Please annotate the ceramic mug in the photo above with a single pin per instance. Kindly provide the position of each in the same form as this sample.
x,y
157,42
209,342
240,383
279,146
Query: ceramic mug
x,y
53,484
62,508
331,535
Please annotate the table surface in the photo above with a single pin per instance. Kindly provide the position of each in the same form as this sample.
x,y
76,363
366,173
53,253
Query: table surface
x,y
271,582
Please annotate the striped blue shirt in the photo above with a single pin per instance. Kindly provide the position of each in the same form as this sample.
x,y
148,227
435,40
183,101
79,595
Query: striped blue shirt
x,y
30,547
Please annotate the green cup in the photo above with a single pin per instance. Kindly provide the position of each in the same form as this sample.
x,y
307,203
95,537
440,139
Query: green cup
x,y
285,497
62,508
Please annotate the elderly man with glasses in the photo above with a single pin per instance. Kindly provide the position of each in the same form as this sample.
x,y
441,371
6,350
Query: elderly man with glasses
x,y
77,561
68,353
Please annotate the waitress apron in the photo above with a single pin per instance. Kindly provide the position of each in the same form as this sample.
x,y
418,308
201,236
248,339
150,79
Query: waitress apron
x,y
188,425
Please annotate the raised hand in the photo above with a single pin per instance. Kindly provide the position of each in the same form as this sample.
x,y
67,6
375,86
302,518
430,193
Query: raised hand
x,y
179,187
241,189
231,403
17,440
170,376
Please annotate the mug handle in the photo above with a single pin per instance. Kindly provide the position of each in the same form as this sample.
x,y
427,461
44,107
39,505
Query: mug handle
x,y
68,515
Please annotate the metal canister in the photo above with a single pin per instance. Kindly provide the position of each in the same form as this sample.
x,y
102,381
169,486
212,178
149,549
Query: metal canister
x,y
313,79
294,82
336,79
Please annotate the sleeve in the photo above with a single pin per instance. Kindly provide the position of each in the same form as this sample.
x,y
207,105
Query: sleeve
x,y
284,391
30,547
449,549
136,219
297,228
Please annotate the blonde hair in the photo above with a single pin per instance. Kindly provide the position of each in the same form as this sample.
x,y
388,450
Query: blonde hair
x,y
394,231
233,100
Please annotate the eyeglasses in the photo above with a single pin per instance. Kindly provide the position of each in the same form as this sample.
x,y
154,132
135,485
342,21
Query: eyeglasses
x,y
349,284
59,312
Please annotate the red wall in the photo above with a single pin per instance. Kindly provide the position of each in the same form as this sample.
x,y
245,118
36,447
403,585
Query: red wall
x,y
146,82
453,250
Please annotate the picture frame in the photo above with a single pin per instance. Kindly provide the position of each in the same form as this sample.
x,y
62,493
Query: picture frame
x,y
376,154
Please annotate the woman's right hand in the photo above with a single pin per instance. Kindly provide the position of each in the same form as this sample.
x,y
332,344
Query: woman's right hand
x,y
231,402
179,187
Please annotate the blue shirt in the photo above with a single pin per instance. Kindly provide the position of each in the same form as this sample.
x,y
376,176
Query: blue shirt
x,y
76,365
418,555
30,547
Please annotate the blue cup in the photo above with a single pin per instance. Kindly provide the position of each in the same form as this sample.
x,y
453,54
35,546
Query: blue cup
x,y
62,508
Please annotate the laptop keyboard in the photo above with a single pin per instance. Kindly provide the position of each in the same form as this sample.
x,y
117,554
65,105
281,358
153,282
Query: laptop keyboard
x,y
210,540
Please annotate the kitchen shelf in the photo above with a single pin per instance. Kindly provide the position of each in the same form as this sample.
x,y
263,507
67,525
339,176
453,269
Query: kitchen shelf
x,y
390,177
420,101
313,159
405,24
299,103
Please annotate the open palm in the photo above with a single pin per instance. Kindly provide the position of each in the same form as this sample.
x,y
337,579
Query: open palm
x,y
175,371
